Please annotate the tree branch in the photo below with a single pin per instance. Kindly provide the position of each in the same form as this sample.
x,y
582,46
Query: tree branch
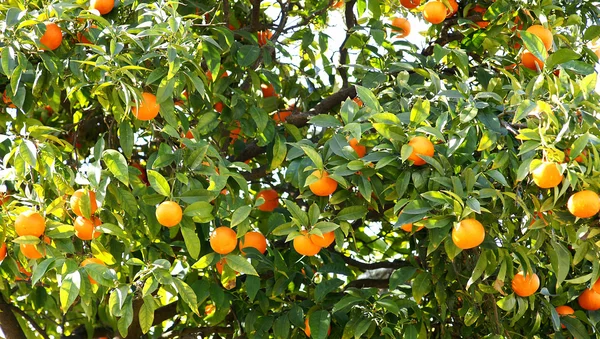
x,y
8,322
362,283
194,332
255,15
30,320
350,23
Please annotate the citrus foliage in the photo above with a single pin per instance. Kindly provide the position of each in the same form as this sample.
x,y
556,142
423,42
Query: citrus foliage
x,y
145,144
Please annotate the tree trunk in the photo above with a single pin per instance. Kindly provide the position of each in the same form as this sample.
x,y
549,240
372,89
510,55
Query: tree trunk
x,y
8,322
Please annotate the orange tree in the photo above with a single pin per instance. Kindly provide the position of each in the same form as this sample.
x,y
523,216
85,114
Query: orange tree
x,y
377,189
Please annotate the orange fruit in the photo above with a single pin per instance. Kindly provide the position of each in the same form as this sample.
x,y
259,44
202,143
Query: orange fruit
x,y
547,175
409,227
189,135
219,265
271,198
359,149
30,252
304,245
92,261
453,10
401,26
543,33
7,100
578,158
85,229
147,109
420,146
209,309
528,60
2,251
223,240
268,90
434,12
410,4
589,300
584,204
253,239
481,10
75,199
323,241
564,310
324,186
280,116
169,213
52,37
307,328
102,6
338,4
218,107
235,133
30,223
81,37
525,286
264,36
22,270
359,102
468,234
596,286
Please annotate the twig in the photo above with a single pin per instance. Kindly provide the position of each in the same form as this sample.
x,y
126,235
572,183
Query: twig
x,y
30,320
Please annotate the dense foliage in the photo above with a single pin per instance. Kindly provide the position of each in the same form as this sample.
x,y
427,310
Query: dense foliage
x,y
447,175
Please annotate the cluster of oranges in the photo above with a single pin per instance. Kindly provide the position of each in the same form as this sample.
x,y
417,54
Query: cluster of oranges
x,y
527,58
310,244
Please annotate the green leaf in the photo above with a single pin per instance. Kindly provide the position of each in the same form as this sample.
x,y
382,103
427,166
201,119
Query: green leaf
x,y
192,242
146,315
401,275
201,210
205,261
313,155
279,152
240,215
252,286
592,32
347,301
325,287
126,138
28,151
187,294
352,213
325,121
247,55
296,212
525,107
479,269
116,164
420,112
579,145
319,324
158,183
368,98
69,290
165,90
240,264
421,286
41,269
534,45
561,56
281,327
575,327
562,266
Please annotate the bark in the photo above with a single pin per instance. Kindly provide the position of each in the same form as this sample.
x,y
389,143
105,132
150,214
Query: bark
x,y
8,322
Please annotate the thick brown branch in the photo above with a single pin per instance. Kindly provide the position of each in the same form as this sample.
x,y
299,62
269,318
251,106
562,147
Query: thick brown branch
x,y
255,15
362,283
325,106
350,23
8,322
251,150
194,332
372,266
30,320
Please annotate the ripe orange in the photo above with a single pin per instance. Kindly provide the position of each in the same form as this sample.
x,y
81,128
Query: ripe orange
x,y
525,286
596,286
410,4
76,198
22,270
564,310
543,33
323,241
280,116
420,146
81,37
30,252
481,10
30,223
434,12
2,251
102,6
359,149
147,109
189,135
409,227
271,198
401,26
307,328
209,309
584,204
218,107
92,261
85,229
268,90
454,10
528,60
52,37
253,239
264,36
468,234
324,186
219,265
223,240
547,175
235,133
7,100
338,4
304,246
169,213
589,300
359,102
578,158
